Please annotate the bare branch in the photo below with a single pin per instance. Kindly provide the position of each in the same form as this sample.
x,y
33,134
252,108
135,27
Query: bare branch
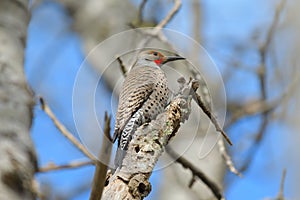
x,y
209,114
155,32
280,195
122,66
253,108
196,172
262,106
196,5
171,14
72,165
227,158
272,28
64,130
101,168
264,48
192,181
140,12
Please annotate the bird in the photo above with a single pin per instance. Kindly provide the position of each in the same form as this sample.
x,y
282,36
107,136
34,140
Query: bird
x,y
143,96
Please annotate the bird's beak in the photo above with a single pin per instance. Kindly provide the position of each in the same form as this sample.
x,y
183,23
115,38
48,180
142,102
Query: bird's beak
x,y
172,58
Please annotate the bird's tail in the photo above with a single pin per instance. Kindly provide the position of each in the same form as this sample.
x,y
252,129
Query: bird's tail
x,y
120,154
126,136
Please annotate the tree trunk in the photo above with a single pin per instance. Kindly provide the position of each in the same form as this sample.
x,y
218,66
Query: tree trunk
x,y
17,160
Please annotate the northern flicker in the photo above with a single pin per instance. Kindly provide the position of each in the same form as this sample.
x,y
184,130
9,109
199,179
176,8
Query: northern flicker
x,y
143,96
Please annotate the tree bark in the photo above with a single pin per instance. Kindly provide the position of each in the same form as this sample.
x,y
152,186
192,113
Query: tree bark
x,y
146,146
17,160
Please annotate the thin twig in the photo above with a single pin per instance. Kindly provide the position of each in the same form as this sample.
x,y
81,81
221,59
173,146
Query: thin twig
x,y
262,106
196,172
280,195
165,20
209,114
192,181
160,36
254,147
272,28
264,48
140,12
171,14
196,6
155,32
221,145
72,165
122,66
101,167
228,161
64,130
253,108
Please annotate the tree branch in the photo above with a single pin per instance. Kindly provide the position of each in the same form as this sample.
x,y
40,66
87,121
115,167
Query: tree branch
x,y
280,195
72,165
140,12
228,161
156,31
122,66
210,115
171,14
196,172
101,167
131,180
64,130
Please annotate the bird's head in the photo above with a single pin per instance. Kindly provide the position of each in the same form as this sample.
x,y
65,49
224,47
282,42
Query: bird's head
x,y
154,57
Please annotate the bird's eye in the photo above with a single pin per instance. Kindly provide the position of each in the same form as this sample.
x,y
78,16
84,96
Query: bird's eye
x,y
155,53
